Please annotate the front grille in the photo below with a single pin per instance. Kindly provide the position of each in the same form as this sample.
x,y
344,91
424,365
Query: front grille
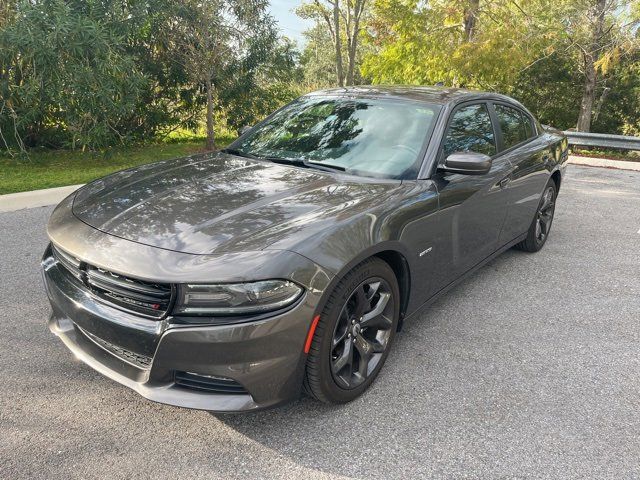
x,y
141,361
71,263
209,384
137,296
151,299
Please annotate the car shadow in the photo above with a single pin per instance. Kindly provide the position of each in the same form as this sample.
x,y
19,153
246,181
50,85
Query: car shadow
x,y
411,404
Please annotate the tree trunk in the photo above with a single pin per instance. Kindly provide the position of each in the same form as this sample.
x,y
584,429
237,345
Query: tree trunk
x,y
353,44
470,18
211,144
603,97
588,95
590,73
352,63
337,43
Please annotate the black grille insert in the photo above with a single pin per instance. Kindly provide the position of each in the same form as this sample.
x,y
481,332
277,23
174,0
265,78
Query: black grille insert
x,y
136,359
137,296
209,384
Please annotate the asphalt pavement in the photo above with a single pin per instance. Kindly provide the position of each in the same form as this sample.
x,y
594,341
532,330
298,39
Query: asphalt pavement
x,y
529,369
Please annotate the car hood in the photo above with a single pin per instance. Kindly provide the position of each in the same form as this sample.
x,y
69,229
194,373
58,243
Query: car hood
x,y
218,203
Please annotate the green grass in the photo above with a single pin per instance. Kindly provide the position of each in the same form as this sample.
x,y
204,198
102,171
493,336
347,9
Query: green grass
x,y
47,169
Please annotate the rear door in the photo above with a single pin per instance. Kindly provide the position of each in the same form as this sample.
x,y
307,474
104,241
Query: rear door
x,y
528,153
473,206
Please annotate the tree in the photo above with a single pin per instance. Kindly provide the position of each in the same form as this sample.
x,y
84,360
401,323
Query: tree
x,y
342,20
63,69
499,44
261,88
216,37
459,43
618,101
318,58
549,87
600,32
90,74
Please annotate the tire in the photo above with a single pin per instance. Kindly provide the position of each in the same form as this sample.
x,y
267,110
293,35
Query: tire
x,y
540,228
369,340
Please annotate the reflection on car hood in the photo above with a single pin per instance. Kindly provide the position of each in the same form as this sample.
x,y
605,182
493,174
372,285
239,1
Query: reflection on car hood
x,y
219,203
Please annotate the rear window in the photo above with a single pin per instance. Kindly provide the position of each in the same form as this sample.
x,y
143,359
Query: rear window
x,y
528,126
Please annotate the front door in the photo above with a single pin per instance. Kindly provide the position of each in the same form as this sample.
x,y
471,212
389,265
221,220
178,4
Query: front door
x,y
473,207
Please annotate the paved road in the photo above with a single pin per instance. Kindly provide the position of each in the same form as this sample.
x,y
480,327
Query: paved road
x,y
529,369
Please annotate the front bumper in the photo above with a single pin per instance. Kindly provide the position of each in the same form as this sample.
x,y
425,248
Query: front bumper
x,y
265,357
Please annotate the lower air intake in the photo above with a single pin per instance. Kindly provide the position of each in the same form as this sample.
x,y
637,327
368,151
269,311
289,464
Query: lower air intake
x,y
205,383
138,360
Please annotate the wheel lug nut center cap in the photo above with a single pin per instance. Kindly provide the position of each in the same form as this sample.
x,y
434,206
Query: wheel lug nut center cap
x,y
355,330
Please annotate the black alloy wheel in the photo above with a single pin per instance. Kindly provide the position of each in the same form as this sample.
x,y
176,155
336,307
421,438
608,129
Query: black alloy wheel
x,y
544,215
354,334
362,332
541,225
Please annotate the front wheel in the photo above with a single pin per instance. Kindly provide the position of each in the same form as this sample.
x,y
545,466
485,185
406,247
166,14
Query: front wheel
x,y
541,225
354,333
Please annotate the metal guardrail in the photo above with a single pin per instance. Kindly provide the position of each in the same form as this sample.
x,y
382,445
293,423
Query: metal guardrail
x,y
603,140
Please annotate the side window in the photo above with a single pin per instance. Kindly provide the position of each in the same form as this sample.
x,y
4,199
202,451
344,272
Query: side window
x,y
470,130
512,124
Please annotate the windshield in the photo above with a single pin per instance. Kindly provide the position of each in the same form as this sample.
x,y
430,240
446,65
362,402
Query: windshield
x,y
369,137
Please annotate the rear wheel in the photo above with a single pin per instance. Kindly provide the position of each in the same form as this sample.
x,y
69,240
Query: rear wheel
x,y
354,333
541,225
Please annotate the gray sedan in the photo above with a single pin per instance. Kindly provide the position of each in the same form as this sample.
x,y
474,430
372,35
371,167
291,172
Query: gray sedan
x,y
287,262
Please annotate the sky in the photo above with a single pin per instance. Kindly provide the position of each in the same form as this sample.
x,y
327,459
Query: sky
x,y
290,25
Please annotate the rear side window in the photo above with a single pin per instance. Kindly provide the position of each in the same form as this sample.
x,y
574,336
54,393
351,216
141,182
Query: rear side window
x,y
470,130
528,126
515,126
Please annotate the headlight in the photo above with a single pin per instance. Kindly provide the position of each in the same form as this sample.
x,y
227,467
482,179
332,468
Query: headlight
x,y
236,298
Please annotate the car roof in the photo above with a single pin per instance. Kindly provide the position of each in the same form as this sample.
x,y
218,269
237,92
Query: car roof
x,y
426,94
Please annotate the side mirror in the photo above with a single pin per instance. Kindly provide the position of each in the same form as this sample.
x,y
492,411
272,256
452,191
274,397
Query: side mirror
x,y
243,130
467,163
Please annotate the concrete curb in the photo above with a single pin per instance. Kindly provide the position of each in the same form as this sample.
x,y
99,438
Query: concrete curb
x,y
35,198
604,163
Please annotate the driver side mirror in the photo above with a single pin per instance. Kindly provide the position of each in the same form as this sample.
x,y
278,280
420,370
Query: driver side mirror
x,y
467,163
243,130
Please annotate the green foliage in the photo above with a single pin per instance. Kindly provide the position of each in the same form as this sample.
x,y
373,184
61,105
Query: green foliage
x,y
334,43
271,83
89,74
619,94
62,67
318,58
426,43
548,89
232,49
539,51
95,73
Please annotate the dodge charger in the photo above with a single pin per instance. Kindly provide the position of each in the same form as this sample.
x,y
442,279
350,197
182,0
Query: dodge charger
x,y
287,262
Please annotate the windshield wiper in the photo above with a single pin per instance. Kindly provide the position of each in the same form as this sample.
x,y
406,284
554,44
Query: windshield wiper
x,y
240,153
306,163
286,161
326,166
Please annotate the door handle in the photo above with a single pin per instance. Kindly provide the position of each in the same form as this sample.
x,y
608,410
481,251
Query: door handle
x,y
504,182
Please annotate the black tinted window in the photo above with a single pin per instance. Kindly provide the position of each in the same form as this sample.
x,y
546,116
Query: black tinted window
x,y
512,124
528,126
470,131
